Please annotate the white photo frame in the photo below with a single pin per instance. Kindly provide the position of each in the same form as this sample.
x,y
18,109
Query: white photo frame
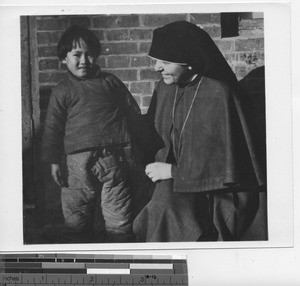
x,y
279,132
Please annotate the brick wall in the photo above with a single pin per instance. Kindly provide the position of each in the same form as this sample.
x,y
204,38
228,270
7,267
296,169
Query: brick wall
x,y
126,40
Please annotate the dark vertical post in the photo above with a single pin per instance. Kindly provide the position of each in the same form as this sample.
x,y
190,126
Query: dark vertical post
x,y
229,25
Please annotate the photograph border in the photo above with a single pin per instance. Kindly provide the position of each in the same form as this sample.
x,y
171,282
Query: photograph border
x,y
280,163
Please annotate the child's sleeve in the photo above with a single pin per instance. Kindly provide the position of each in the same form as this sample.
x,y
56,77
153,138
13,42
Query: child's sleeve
x,y
140,126
52,141
128,103
143,130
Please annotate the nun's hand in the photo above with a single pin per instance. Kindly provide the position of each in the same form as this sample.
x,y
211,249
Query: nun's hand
x,y
158,171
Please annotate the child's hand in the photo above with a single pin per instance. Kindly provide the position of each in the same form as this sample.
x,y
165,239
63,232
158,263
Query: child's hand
x,y
158,171
56,174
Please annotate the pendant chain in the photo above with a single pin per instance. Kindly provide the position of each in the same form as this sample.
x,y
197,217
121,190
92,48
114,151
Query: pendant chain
x,y
188,114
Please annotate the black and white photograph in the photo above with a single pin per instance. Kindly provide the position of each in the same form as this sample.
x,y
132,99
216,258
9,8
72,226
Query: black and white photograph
x,y
153,129
144,128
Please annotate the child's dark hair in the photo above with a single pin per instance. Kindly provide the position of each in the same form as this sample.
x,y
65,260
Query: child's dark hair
x,y
72,35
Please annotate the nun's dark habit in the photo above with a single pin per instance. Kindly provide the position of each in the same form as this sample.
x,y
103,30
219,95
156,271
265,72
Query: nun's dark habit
x,y
216,175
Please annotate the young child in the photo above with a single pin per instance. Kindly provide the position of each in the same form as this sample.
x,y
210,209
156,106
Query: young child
x,y
88,118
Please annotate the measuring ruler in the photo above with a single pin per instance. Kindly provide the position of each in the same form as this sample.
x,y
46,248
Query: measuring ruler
x,y
48,269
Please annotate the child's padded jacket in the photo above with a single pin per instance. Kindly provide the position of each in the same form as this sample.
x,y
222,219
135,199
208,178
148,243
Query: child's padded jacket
x,y
84,114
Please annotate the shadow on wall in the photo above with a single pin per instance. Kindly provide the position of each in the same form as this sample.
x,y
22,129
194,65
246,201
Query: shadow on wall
x,y
254,102
254,87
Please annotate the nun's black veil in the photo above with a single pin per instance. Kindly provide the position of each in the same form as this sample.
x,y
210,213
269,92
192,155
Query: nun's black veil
x,y
185,43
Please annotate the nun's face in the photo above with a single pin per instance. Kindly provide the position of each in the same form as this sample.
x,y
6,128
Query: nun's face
x,y
173,73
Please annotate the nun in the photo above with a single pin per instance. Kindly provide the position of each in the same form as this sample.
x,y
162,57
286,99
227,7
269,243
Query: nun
x,y
206,172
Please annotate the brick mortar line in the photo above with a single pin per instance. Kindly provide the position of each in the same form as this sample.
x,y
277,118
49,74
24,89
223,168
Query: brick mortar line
x,y
104,41
144,28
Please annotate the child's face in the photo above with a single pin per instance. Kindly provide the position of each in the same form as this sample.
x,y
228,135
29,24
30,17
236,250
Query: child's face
x,y
80,60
